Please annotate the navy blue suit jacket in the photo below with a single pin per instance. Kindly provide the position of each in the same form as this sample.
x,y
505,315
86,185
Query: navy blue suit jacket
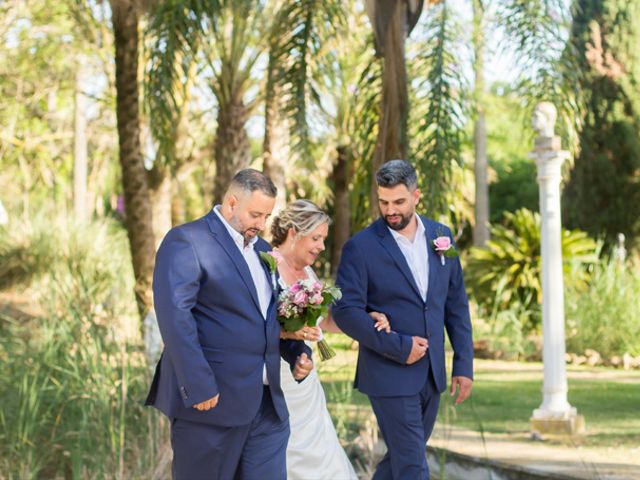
x,y
216,339
374,276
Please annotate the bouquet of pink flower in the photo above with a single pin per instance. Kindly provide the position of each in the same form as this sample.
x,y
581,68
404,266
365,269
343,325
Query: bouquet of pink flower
x,y
303,303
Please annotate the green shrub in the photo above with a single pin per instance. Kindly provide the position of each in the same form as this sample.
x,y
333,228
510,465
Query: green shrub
x,y
499,333
74,378
25,253
606,315
506,273
514,188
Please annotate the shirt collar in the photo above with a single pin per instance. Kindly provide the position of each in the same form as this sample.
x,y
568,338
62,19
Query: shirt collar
x,y
420,232
237,237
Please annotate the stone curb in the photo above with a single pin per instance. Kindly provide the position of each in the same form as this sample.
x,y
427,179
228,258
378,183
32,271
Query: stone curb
x,y
458,466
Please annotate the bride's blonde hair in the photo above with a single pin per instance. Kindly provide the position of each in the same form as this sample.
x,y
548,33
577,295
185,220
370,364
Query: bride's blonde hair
x,y
303,216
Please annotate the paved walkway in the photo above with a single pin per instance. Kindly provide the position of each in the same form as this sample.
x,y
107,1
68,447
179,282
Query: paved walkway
x,y
525,455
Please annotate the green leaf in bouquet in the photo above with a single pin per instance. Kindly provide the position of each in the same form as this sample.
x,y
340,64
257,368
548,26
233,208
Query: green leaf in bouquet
x,y
293,324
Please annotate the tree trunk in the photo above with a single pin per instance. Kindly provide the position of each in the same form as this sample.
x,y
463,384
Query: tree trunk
x,y
231,147
481,226
160,194
341,206
80,156
134,177
392,126
275,148
176,153
178,204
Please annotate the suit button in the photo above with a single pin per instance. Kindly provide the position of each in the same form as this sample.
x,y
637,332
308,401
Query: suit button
x,y
426,308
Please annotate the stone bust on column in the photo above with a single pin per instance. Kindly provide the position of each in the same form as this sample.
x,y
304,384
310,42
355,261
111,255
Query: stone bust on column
x,y
555,415
543,119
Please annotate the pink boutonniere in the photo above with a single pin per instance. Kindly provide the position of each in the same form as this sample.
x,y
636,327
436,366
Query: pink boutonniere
x,y
444,248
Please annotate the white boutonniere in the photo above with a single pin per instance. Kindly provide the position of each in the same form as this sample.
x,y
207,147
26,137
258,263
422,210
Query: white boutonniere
x,y
444,248
272,259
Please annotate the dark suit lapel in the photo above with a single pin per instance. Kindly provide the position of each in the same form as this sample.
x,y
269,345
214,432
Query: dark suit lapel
x,y
434,258
391,246
226,242
262,248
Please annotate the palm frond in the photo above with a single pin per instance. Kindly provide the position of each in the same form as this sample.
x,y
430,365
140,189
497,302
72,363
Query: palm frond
x,y
508,270
545,60
173,37
438,107
305,23
364,133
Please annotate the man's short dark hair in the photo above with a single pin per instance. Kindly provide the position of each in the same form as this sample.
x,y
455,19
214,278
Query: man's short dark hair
x,y
251,180
397,172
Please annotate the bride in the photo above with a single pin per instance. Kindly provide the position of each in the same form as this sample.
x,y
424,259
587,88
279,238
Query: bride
x,y
314,452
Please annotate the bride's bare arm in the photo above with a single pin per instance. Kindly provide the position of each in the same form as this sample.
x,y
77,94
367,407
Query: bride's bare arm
x,y
380,319
329,325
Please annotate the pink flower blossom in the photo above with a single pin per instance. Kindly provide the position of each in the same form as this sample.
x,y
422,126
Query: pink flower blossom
x,y
316,299
278,256
295,288
442,244
300,298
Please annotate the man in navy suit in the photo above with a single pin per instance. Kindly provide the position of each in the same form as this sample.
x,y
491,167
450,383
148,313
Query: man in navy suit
x,y
392,267
218,380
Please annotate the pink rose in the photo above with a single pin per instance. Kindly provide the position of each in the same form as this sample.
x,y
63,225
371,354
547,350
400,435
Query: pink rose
x,y
295,288
316,299
442,244
317,286
300,298
277,255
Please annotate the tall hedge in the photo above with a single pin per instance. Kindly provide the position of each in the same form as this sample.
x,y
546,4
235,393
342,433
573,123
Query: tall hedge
x,y
602,196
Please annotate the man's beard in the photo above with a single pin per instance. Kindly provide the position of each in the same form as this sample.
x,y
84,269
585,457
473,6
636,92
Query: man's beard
x,y
249,234
245,232
401,225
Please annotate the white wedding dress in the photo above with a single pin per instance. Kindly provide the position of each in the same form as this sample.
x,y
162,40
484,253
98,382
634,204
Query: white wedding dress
x,y
313,452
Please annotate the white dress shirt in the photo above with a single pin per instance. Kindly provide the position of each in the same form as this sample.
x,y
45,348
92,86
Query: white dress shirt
x,y
416,254
260,280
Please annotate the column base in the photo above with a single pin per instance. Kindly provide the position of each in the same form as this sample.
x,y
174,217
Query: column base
x,y
566,425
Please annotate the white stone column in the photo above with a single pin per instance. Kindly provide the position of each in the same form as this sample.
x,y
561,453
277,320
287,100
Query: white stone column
x,y
555,415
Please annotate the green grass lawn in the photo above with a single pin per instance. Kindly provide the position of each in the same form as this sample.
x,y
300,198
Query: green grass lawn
x,y
504,396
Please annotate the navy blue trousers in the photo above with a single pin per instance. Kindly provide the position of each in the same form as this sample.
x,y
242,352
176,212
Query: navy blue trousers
x,y
406,424
256,451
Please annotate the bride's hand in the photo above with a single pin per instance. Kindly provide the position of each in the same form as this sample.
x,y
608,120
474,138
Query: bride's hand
x,y
382,322
313,334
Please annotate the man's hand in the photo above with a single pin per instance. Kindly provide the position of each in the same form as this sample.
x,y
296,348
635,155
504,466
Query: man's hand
x,y
418,349
313,334
207,404
465,388
303,367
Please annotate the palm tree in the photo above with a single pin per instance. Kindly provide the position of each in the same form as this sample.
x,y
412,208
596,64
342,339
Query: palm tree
x,y
348,76
275,146
232,55
481,221
125,15
438,106
331,77
224,37
392,22
533,31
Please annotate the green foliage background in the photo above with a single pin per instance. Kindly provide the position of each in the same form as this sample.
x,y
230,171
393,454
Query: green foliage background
x,y
603,194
